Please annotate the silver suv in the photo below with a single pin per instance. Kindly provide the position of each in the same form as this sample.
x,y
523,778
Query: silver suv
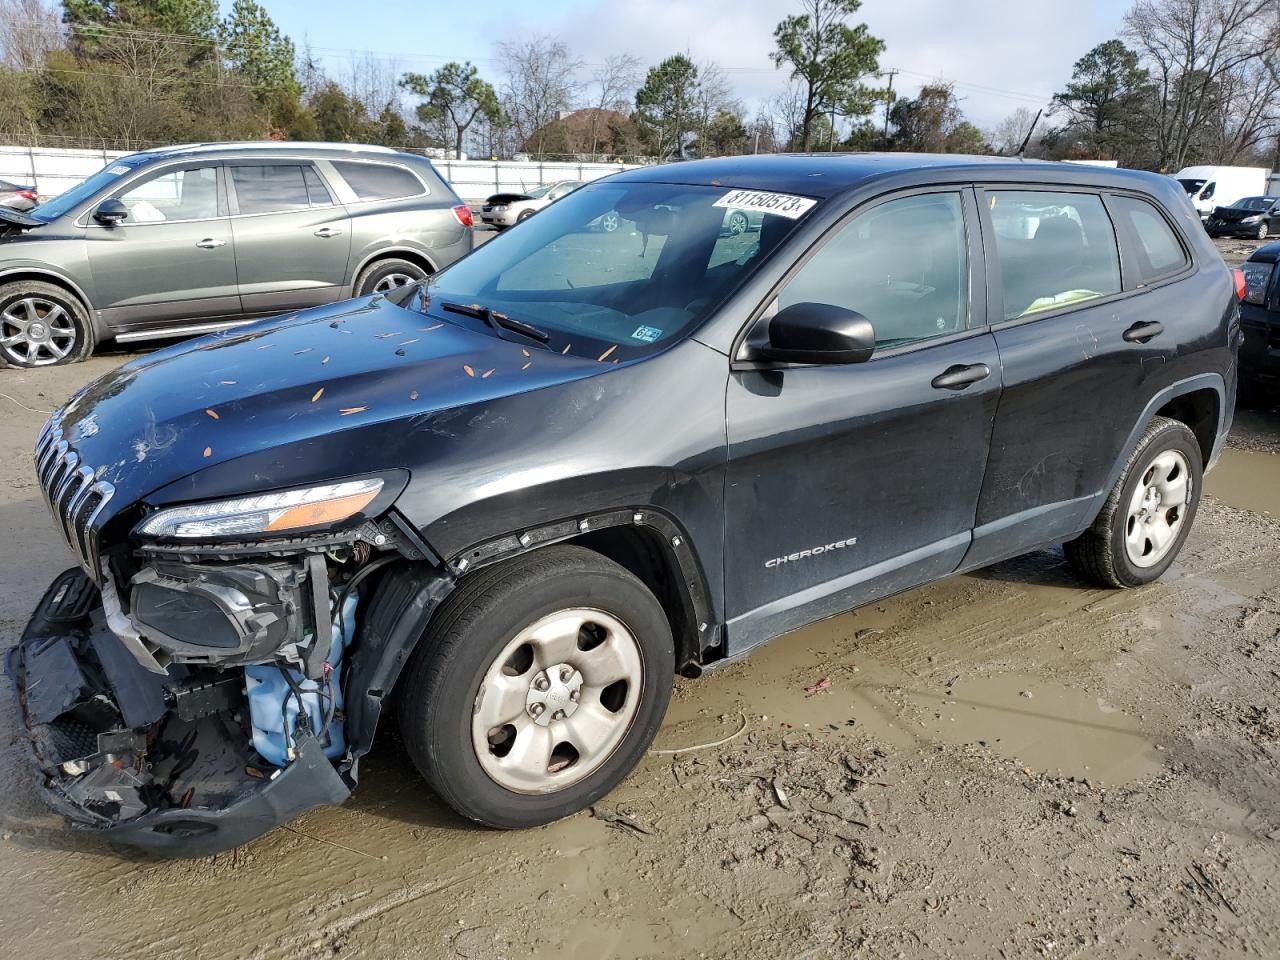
x,y
188,239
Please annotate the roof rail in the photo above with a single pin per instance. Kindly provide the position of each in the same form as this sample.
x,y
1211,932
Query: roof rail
x,y
269,145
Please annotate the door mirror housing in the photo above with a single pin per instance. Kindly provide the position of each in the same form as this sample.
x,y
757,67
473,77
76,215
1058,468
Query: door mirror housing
x,y
111,211
819,333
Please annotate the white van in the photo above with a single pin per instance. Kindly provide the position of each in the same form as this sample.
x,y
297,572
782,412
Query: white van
x,y
1210,187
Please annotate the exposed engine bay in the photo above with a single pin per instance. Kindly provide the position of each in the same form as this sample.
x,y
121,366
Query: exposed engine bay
x,y
203,702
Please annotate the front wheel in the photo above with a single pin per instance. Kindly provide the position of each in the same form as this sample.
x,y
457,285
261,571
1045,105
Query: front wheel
x,y
1261,232
1148,514
539,686
42,325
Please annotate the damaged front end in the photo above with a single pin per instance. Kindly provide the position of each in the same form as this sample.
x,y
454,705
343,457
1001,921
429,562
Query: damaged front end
x,y
186,695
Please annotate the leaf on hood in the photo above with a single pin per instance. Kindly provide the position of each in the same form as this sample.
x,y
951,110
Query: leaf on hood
x,y
348,411
429,329
208,451
212,414
324,361
605,355
407,342
227,383
317,395
527,365
487,373
566,348
524,351
413,395
384,336
467,368
298,353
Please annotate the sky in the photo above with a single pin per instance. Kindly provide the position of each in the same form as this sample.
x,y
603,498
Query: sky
x,y
1000,54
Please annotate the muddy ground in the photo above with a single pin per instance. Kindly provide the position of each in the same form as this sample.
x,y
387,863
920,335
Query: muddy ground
x,y
1011,763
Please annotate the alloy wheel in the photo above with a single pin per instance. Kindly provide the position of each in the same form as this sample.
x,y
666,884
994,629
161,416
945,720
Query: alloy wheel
x,y
557,701
36,332
1157,509
393,281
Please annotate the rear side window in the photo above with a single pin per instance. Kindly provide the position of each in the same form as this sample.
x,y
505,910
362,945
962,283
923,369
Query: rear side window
x,y
1055,249
1157,251
1257,277
903,264
378,181
271,188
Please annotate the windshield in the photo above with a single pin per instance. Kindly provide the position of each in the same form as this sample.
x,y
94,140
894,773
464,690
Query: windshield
x,y
618,269
70,199
1256,203
1191,186
537,192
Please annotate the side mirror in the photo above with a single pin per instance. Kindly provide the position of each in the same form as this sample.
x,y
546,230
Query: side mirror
x,y
819,333
111,211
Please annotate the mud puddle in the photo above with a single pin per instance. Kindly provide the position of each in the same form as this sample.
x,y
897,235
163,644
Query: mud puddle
x,y
1247,479
1044,725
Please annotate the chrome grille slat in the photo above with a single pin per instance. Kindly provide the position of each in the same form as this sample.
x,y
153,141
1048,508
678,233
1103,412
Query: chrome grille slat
x,y
74,497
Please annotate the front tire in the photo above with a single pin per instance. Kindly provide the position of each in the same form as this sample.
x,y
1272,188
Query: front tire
x,y
1261,232
41,325
386,276
540,684
1148,514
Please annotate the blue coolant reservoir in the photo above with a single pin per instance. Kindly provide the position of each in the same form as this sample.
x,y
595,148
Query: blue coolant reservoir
x,y
272,703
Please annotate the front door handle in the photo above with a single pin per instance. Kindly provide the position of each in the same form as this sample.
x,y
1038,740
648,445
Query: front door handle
x,y
325,233
1142,332
960,376
209,243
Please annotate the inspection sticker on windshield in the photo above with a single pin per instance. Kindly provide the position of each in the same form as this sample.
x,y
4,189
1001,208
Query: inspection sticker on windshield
x,y
782,204
117,170
647,334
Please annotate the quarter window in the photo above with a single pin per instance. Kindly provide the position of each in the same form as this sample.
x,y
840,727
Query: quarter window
x,y
190,194
271,188
904,265
1158,252
1054,249
317,192
378,181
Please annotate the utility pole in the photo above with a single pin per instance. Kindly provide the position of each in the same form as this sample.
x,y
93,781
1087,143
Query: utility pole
x,y
888,100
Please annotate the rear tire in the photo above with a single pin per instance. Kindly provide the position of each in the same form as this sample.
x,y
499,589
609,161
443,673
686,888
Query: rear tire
x,y
384,276
510,635
1148,514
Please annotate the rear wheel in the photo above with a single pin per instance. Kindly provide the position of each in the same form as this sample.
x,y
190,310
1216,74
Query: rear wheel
x,y
384,276
42,325
539,686
1149,512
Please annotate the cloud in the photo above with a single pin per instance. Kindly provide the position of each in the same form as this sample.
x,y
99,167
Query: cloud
x,y
1000,55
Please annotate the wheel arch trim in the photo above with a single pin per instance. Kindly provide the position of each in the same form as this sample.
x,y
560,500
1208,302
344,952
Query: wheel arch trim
x,y
59,278
385,253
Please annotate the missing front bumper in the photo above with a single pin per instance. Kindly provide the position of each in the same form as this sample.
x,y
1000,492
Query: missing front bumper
x,y
159,762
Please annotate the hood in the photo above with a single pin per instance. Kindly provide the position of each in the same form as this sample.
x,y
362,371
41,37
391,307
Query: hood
x,y
508,198
1236,214
325,393
11,219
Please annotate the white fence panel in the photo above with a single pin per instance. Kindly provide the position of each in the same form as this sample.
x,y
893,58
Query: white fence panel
x,y
53,170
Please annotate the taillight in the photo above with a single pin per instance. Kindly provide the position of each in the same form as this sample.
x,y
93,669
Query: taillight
x,y
463,213
1241,287
28,194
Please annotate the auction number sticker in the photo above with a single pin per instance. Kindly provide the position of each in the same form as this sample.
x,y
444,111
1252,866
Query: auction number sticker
x,y
781,204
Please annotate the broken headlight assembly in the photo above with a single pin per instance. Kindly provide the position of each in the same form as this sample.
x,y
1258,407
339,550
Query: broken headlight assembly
x,y
266,514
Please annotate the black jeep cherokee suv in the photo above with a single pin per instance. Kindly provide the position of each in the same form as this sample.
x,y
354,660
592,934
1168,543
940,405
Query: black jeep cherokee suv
x,y
524,494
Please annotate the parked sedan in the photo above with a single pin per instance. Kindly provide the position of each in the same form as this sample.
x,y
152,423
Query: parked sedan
x,y
1260,321
184,240
1254,217
17,196
507,209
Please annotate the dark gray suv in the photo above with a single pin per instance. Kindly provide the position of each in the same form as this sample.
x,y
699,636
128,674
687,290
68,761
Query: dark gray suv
x,y
187,239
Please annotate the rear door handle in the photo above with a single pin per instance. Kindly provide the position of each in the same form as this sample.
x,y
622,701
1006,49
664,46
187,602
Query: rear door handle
x,y
1142,332
209,243
326,232
960,376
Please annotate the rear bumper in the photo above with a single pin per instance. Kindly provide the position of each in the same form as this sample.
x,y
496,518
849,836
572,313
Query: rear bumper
x,y
161,763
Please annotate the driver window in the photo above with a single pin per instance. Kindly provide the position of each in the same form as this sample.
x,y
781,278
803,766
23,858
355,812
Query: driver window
x,y
904,265
190,194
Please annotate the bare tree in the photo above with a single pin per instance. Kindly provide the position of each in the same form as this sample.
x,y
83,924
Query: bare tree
x,y
1196,51
1007,135
373,82
540,84
28,31
787,110
612,83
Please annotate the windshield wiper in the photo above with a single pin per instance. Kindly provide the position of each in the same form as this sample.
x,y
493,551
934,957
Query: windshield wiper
x,y
496,319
